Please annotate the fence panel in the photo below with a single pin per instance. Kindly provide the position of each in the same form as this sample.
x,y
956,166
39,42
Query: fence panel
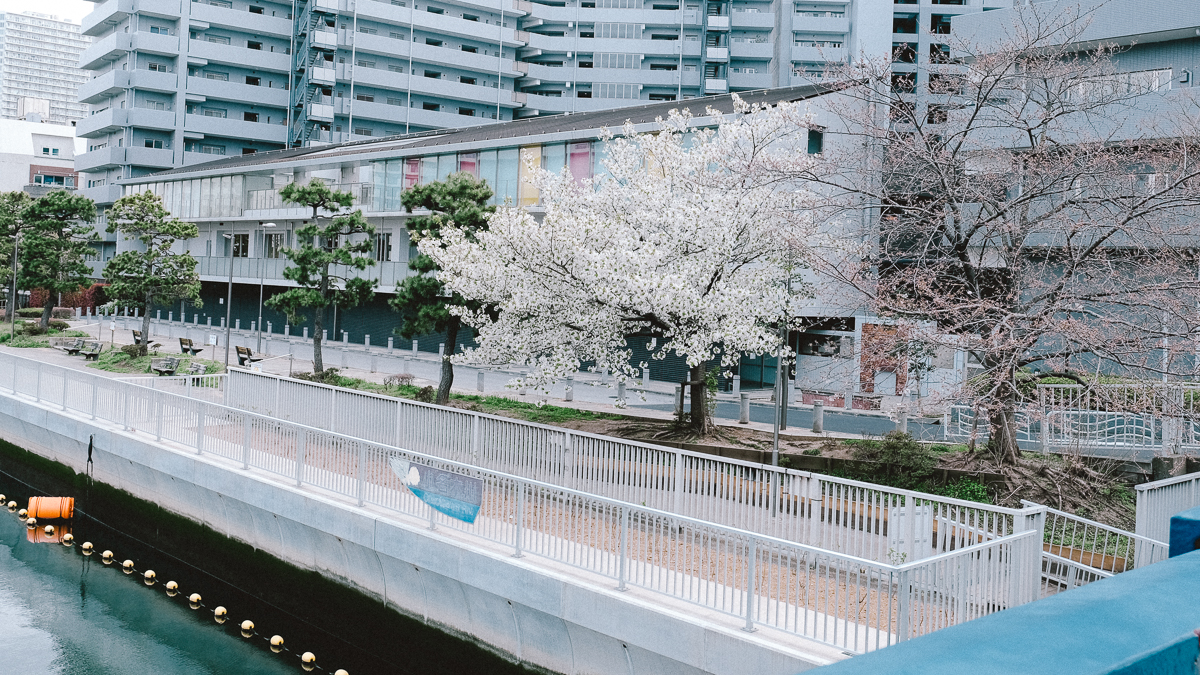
x,y
1159,500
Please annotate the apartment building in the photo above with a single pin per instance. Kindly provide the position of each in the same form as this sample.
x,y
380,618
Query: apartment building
x,y
177,82
39,67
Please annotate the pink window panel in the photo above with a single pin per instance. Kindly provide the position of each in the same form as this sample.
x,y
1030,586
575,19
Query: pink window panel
x,y
579,158
469,162
412,172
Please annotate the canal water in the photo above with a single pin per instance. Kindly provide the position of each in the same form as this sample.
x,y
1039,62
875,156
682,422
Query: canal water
x,y
62,612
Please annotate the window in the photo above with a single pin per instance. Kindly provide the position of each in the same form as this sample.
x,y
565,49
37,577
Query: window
x,y
215,112
255,10
160,30
579,93
663,66
250,44
367,30
241,245
396,69
585,64
801,10
158,67
250,116
939,24
625,31
248,151
433,43
466,80
363,131
430,106
369,98
433,75
802,40
395,101
587,33
619,4
745,70
210,75
1122,84
253,81
616,61
467,112
662,97
154,105
383,246
816,141
365,63
435,10
396,36
470,17
217,39
611,90
663,36
904,52
46,151
905,23
212,149
273,245
156,144
470,50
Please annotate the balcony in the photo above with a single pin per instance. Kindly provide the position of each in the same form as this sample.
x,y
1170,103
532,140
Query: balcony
x,y
716,54
155,158
104,194
241,20
100,160
752,50
101,87
745,81
166,9
105,17
239,56
329,6
233,128
108,48
156,43
326,76
718,23
765,20
324,39
716,86
818,54
250,270
647,77
237,91
110,120
821,24
320,111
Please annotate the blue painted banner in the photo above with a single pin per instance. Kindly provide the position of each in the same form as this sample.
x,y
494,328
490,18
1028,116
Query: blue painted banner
x,y
453,494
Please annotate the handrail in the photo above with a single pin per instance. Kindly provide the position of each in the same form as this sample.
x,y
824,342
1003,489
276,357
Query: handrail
x,y
1164,482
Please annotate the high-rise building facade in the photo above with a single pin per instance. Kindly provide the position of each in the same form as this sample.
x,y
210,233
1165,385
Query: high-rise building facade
x,y
39,61
179,82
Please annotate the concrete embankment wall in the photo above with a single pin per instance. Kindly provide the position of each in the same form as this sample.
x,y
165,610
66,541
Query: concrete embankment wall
x,y
531,610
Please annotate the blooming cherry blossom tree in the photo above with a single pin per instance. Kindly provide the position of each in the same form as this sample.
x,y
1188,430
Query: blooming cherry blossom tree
x,y
686,244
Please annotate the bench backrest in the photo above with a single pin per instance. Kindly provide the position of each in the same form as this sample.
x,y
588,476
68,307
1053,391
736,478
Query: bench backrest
x,y
197,368
185,342
244,351
92,346
166,362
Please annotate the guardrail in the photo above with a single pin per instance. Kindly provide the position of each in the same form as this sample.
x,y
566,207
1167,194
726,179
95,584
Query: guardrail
x,y
851,602
1157,501
1077,551
861,519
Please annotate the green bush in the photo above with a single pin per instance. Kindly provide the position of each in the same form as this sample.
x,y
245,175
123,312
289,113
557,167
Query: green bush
x,y
328,376
134,351
426,395
898,460
55,324
29,312
966,488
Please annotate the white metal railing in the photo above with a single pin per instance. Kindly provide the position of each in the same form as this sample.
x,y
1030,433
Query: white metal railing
x,y
853,603
1159,500
1077,551
860,519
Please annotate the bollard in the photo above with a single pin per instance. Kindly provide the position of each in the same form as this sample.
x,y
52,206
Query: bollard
x,y
270,328
645,377
848,400
478,381
222,322
390,344
195,319
306,332
209,319
737,386
367,341
237,324
253,326
414,347
818,417
621,390
902,422
569,390
345,338
325,334
441,349
158,315
744,411
678,400
604,376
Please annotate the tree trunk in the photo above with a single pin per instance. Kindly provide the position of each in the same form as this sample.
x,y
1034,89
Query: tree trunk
x,y
444,384
149,299
1002,421
318,327
12,302
701,423
47,310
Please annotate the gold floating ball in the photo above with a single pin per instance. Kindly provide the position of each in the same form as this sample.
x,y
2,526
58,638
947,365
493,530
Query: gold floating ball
x,y
31,522
12,506
49,530
22,513
107,555
194,598
2,498
127,566
220,619
172,589
149,577
276,643
340,671
308,657
87,548
68,539
247,625
220,611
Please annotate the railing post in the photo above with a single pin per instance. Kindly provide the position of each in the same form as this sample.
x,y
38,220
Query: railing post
x,y
622,563
95,394
125,409
200,429
475,437
64,388
677,497
246,441
301,448
37,390
362,471
399,421
278,385
751,583
157,415
188,388
904,606
520,518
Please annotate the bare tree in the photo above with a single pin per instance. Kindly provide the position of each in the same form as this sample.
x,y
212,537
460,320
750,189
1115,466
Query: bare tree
x,y
1036,205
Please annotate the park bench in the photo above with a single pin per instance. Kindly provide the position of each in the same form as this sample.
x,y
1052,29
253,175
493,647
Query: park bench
x,y
137,337
91,351
73,347
186,347
247,357
196,369
165,366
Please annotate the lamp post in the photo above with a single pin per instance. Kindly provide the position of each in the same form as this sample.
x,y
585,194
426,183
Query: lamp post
x,y
12,311
229,291
261,260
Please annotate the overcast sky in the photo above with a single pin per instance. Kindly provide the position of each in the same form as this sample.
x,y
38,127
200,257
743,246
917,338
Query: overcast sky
x,y
70,10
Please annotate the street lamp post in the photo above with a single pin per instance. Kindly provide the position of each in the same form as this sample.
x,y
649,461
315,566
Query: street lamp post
x,y
12,311
261,275
229,292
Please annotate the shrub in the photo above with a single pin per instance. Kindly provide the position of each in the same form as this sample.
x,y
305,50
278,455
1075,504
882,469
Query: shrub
x,y
426,395
134,351
62,313
328,376
30,312
968,489
811,452
30,328
399,380
899,461
55,324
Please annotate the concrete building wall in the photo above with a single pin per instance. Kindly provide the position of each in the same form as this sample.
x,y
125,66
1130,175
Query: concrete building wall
x,y
37,154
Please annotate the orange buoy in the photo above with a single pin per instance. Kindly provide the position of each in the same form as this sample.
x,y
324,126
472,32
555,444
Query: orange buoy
x,y
51,508
37,535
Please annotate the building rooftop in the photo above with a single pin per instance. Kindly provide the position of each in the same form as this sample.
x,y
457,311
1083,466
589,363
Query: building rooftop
x,y
588,123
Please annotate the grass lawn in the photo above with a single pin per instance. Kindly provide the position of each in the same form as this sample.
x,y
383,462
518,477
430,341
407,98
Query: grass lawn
x,y
117,361
33,341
